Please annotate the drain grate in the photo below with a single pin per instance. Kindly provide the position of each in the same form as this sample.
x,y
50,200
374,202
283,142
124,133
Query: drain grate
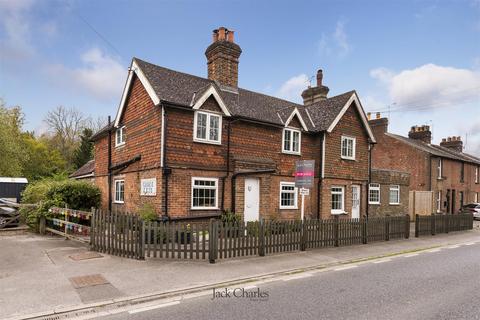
x,y
88,281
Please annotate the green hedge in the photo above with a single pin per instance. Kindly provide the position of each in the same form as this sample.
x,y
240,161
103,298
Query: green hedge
x,y
49,193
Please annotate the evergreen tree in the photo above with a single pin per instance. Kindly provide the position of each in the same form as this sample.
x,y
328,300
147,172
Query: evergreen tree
x,y
84,152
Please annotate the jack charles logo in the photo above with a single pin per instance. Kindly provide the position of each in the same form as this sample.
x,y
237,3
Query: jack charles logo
x,y
240,293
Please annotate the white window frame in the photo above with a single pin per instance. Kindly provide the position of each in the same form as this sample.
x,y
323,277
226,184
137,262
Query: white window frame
x,y
120,132
290,150
396,188
207,137
115,194
373,187
200,187
295,194
440,168
153,192
342,192
476,197
354,143
476,174
439,201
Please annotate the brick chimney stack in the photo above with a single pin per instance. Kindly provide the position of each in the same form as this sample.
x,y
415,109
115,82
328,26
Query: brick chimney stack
x,y
312,95
421,133
454,143
222,57
379,125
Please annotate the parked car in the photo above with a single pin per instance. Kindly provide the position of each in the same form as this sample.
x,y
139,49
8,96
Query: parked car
x,y
472,208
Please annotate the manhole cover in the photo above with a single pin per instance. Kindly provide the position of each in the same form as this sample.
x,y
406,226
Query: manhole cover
x,y
88,281
85,256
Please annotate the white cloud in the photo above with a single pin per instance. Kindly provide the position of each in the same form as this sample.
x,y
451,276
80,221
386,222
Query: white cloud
x,y
335,43
430,86
100,75
14,23
293,87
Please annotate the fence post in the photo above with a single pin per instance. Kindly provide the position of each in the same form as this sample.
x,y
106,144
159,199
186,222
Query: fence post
x,y
261,238
417,225
92,231
364,222
42,223
212,240
142,239
336,231
470,222
387,228
432,224
303,237
407,226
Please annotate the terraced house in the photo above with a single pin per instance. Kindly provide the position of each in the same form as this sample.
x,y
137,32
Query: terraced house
x,y
196,147
451,175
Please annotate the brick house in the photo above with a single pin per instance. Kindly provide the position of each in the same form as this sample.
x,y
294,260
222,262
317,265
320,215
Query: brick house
x,y
388,192
196,147
451,174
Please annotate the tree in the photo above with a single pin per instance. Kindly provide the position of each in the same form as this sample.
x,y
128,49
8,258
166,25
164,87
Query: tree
x,y
42,161
84,151
12,152
65,126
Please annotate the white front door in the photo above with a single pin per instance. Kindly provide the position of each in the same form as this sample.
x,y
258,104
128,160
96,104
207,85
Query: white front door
x,y
252,199
355,202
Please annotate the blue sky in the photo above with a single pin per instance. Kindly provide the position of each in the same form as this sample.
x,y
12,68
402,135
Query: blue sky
x,y
421,58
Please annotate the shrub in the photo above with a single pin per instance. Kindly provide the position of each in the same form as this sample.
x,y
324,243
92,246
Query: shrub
x,y
49,193
147,212
230,217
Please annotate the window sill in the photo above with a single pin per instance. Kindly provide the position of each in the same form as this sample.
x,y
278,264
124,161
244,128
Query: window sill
x,y
218,143
118,202
292,153
119,146
338,212
204,208
441,178
347,158
289,208
394,204
374,203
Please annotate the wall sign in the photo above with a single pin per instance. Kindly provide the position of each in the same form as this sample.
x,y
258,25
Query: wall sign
x,y
148,187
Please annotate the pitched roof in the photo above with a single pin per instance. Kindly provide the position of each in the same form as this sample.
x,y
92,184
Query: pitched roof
x,y
436,150
87,169
185,89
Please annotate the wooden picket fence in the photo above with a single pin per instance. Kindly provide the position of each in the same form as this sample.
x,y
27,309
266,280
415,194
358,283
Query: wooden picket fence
x,y
434,224
117,234
129,236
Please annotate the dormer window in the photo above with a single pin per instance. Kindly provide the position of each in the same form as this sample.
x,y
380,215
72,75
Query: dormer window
x,y
120,136
207,127
291,141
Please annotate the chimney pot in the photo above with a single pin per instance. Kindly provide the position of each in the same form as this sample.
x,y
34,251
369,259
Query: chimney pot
x,y
421,133
369,116
378,115
319,77
455,143
230,35
449,139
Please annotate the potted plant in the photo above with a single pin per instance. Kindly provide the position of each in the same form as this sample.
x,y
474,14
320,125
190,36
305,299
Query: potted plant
x,y
184,236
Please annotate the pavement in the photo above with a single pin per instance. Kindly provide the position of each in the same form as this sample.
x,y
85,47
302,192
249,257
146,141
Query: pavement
x,y
42,275
434,284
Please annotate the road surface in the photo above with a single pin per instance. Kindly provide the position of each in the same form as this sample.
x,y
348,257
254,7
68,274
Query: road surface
x,y
440,284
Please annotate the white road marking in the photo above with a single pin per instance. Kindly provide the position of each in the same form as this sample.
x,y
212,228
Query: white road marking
x,y
382,261
163,305
469,244
434,250
452,247
249,287
345,268
411,255
299,276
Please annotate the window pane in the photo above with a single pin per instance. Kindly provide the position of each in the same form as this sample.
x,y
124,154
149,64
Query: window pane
x,y
214,127
201,126
286,140
296,141
204,194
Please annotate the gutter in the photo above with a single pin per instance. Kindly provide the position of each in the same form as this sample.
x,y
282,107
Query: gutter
x,y
244,173
166,170
321,173
125,164
370,148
